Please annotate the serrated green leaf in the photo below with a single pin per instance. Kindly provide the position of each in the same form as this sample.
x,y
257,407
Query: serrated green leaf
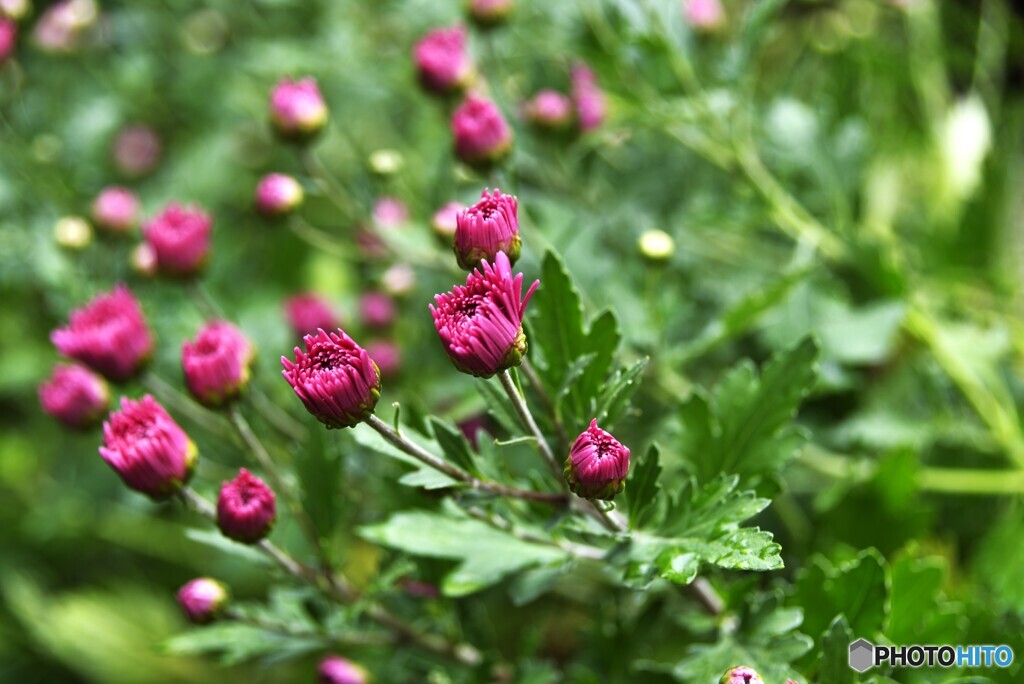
x,y
857,589
454,445
319,469
834,665
424,476
643,491
620,389
572,375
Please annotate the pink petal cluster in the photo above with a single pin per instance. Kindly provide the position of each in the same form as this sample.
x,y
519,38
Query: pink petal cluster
x,y
445,220
704,15
297,108
741,675
309,312
387,356
550,110
8,38
597,464
180,238
150,452
377,309
390,212
202,600
487,13
216,363
588,97
278,194
488,227
109,335
335,378
482,136
137,150
75,396
116,209
442,62
337,670
481,324
246,508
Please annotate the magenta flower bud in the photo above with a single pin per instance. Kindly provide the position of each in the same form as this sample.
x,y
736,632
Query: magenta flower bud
x,y
597,464
390,212
109,335
297,109
137,150
741,675
216,363
8,38
486,228
587,97
704,15
116,209
490,13
75,396
442,63
481,324
378,309
387,356
246,508
335,378
150,452
203,600
336,670
445,220
278,195
180,238
550,110
482,136
307,313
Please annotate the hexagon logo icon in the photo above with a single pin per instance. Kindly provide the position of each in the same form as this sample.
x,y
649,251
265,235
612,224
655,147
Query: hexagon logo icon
x,y
862,655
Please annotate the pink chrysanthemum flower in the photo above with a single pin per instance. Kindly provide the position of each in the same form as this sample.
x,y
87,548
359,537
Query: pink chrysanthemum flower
x,y
202,600
486,228
377,309
337,670
116,209
481,323
550,110
741,675
588,98
308,312
442,62
216,363
180,238
109,335
597,464
335,378
704,15
297,109
75,396
150,452
246,508
278,194
482,136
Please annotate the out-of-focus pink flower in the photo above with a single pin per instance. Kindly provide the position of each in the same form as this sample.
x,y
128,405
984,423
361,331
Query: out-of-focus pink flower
x,y
216,363
143,260
335,378
550,110
482,136
472,427
490,13
597,464
297,108
308,312
390,212
75,396
370,243
588,97
419,589
378,310
481,324
336,670
444,221
398,279
278,195
116,209
246,508
442,63
486,228
8,38
704,15
109,335
180,238
15,9
202,600
387,356
741,675
137,150
62,25
150,452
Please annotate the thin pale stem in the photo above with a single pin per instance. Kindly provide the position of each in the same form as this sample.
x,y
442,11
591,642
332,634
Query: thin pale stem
x,y
203,301
499,523
523,411
284,630
281,420
534,378
180,403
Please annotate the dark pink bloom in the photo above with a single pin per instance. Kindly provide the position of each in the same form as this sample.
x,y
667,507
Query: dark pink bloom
x,y
482,136
150,452
8,38
116,209
297,109
486,228
441,59
704,15
137,150
481,324
445,220
335,378
109,334
278,194
597,464
246,508
387,356
202,599
180,238
216,363
390,212
309,312
588,98
336,670
488,13
378,309
550,109
75,396
741,675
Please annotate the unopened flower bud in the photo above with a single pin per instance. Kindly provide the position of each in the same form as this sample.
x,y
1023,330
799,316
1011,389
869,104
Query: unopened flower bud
x,y
387,356
656,245
116,210
137,150
482,136
445,221
488,227
72,232
442,62
550,110
216,363
704,15
308,312
597,464
246,508
180,238
390,212
337,670
75,396
588,98
203,600
297,109
378,310
278,195
143,260
741,675
490,13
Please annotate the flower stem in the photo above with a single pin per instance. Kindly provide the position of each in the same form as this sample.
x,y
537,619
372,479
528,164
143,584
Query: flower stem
x,y
531,374
277,417
180,403
523,411
203,301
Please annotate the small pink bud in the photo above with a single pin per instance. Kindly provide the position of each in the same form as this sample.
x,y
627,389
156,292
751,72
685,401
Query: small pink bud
x,y
180,238
246,508
481,324
387,356
398,279
116,209
704,15
216,363
442,63
588,98
150,452
741,675
390,212
278,195
203,600
336,670
486,228
297,109
378,310
137,150
75,396
482,136
109,335
490,13
143,260
335,378
8,38
445,221
308,312
597,464
550,110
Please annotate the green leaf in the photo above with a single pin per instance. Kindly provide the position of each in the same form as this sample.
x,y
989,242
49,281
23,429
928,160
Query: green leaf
x,y
237,642
454,445
835,653
643,491
919,613
615,398
424,476
857,589
319,470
